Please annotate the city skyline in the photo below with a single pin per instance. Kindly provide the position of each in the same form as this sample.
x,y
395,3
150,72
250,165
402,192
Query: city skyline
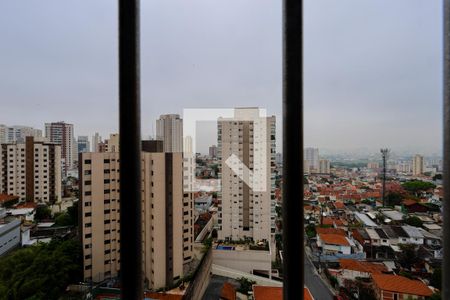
x,y
344,108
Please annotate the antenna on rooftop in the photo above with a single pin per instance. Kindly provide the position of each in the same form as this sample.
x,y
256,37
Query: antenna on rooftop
x,y
384,156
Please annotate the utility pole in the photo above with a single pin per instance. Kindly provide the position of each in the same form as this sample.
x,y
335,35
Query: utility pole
x,y
384,155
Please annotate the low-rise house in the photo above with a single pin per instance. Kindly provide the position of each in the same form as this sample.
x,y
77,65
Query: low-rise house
x,y
333,243
352,269
394,287
9,232
275,293
412,206
414,234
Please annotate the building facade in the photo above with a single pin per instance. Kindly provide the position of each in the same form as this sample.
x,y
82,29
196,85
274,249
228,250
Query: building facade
x,y
169,129
312,159
246,151
417,165
83,144
324,166
162,199
31,170
96,140
62,134
213,151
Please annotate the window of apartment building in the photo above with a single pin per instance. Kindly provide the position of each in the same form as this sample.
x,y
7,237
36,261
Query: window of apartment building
x,y
87,161
88,267
87,182
87,225
88,235
87,193
106,181
87,203
87,172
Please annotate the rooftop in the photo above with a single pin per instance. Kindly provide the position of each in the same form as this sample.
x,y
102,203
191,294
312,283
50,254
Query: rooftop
x,y
335,239
275,293
362,266
400,284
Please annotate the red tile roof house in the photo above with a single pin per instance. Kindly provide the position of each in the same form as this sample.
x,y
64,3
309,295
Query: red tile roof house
x,y
275,293
394,287
351,269
333,243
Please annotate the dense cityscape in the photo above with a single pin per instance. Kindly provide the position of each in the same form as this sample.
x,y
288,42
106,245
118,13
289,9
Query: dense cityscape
x,y
212,222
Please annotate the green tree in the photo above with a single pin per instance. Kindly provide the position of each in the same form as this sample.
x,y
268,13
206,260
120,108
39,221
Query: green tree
x,y
245,285
72,211
63,219
42,271
436,278
408,256
310,230
416,186
394,198
414,221
42,212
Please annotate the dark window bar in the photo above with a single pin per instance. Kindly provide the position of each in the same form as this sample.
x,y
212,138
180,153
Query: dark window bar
x,y
131,278
446,173
293,247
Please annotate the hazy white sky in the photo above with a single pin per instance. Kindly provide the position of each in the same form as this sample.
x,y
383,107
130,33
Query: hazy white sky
x,y
372,67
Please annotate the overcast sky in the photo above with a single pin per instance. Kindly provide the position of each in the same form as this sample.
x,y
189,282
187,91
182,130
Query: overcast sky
x,y
372,67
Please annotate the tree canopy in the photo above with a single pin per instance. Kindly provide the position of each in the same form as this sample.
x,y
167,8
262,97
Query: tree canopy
x,y
417,186
42,271
414,221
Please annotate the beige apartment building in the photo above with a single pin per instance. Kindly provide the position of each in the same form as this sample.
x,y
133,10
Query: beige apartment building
x,y
169,129
417,165
246,151
324,166
162,200
62,133
31,170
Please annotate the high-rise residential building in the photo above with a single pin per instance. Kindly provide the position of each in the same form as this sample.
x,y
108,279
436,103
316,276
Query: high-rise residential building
x,y
18,133
162,215
3,134
31,170
83,144
312,159
96,140
417,165
373,165
62,134
306,168
213,151
246,150
169,129
324,166
112,144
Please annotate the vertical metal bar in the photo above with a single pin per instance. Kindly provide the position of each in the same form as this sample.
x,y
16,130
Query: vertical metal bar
x,y
131,278
293,231
446,173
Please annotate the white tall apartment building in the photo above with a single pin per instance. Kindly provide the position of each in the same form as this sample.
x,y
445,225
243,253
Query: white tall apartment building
x,y
169,129
312,159
17,133
162,215
96,140
31,170
246,151
417,165
62,134
324,166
